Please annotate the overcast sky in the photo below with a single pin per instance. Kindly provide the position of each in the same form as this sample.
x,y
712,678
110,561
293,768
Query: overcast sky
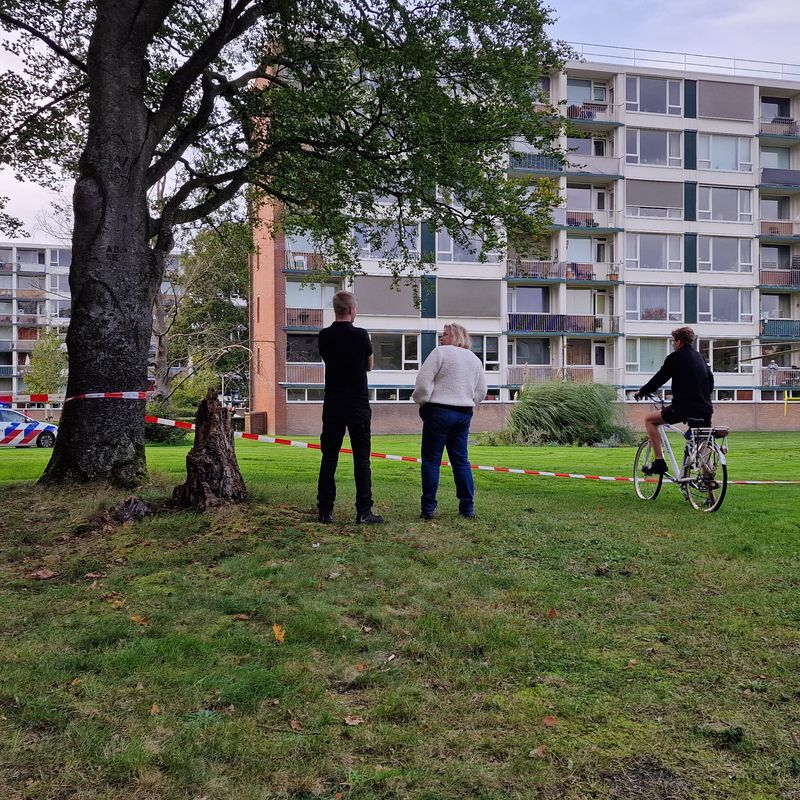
x,y
744,29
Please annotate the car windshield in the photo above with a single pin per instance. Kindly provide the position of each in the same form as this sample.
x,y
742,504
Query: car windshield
x,y
12,416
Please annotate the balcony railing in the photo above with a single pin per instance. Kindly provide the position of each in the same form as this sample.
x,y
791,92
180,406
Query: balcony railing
x,y
562,270
32,319
303,261
535,163
6,318
779,126
25,345
592,165
779,227
6,371
528,374
780,328
563,323
580,218
782,376
599,112
6,267
303,317
779,277
780,177
305,373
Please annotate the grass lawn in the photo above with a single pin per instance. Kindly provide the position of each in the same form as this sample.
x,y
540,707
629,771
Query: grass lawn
x,y
572,642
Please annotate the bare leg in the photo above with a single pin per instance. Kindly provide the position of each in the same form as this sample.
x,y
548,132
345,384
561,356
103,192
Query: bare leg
x,y
651,423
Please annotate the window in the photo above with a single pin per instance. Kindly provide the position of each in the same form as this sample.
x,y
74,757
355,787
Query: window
x,y
543,89
399,351
724,254
654,212
777,256
722,204
772,107
385,244
646,354
727,153
305,395
30,256
60,258
25,282
60,308
775,158
653,303
658,148
302,348
309,295
653,95
582,250
580,91
59,283
487,348
394,394
589,146
529,299
653,251
529,351
776,306
774,208
725,305
448,249
727,355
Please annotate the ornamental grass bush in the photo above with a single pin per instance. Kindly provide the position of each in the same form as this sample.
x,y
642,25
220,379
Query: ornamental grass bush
x,y
559,412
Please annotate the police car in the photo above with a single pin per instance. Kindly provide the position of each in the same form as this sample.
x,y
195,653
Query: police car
x,y
20,430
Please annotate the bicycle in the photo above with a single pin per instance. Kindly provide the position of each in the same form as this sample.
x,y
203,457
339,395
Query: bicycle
x,y
703,475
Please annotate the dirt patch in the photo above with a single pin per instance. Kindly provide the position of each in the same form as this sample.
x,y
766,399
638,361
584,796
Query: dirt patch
x,y
644,778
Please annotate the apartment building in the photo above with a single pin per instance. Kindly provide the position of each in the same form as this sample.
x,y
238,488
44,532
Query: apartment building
x,y
681,204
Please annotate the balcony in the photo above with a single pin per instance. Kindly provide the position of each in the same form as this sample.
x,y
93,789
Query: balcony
x,y
590,112
779,228
6,267
579,218
33,319
5,292
779,329
528,374
780,177
779,126
305,373
5,318
563,323
304,318
533,162
782,377
303,262
6,371
779,277
562,271
587,166
25,345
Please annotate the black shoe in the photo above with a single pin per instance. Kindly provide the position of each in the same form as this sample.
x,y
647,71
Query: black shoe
x,y
658,467
428,517
469,515
368,518
326,517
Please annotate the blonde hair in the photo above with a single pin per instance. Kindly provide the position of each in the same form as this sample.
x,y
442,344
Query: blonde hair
x,y
459,334
342,302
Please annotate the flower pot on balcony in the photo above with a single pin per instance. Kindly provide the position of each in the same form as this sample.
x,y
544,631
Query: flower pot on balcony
x,y
613,276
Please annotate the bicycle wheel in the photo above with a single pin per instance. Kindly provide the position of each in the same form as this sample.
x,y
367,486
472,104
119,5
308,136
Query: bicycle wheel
x,y
708,480
647,488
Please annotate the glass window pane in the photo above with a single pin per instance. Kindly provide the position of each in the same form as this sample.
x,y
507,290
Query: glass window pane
x,y
532,299
579,91
386,347
652,251
726,305
653,95
411,347
726,253
653,303
533,351
651,354
725,204
723,154
653,147
302,348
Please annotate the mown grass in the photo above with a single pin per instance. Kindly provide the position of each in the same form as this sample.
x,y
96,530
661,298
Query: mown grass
x,y
572,642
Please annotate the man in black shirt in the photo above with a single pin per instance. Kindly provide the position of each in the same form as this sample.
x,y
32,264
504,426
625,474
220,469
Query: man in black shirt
x,y
692,384
347,353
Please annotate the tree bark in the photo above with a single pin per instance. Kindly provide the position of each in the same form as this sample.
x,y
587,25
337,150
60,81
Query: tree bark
x,y
115,273
212,471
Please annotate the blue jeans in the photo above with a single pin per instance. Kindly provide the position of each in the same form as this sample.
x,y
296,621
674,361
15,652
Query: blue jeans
x,y
444,427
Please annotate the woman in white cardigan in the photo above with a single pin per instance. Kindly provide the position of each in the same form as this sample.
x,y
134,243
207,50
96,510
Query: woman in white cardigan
x,y
450,385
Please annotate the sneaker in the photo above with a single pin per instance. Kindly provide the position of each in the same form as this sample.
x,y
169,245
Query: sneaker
x,y
368,518
423,515
467,515
658,467
326,517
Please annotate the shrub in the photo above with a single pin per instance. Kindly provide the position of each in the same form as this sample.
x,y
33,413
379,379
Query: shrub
x,y
162,434
559,412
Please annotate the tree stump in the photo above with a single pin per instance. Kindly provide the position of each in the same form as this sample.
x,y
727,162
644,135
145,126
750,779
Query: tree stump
x,y
212,472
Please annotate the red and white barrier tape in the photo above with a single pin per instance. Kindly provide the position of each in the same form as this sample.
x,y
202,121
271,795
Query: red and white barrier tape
x,y
59,398
255,437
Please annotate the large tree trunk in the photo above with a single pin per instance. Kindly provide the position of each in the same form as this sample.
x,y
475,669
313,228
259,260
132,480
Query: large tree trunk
x,y
115,273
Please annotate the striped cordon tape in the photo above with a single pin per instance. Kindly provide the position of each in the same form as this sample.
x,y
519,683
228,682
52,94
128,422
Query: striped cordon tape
x,y
43,398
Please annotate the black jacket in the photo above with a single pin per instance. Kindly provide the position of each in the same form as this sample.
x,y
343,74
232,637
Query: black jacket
x,y
692,382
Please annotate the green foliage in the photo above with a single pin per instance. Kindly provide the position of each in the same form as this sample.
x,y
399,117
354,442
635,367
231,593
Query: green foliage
x,y
190,391
561,412
48,371
162,434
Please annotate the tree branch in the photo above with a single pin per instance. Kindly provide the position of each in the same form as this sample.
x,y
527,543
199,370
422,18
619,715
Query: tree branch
x,y
54,46
31,117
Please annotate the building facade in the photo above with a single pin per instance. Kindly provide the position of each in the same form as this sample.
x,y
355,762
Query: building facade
x,y
681,206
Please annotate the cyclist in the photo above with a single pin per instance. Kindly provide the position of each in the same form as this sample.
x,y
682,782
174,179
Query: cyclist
x,y
692,384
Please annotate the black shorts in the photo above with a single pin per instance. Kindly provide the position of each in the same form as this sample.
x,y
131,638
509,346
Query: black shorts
x,y
672,415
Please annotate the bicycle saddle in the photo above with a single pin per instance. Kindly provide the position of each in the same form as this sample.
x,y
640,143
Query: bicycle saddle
x,y
696,422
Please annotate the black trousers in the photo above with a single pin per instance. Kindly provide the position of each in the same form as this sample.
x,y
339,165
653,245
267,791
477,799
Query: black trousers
x,y
357,420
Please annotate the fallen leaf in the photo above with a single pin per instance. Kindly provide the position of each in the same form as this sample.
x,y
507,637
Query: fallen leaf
x,y
332,576
539,752
43,574
338,796
361,666
241,617
366,629
118,603
352,720
295,725
549,722
280,633
552,614
154,710
138,619
94,575
632,662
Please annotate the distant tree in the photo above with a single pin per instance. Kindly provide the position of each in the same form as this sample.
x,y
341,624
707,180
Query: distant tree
x,y
48,370
322,107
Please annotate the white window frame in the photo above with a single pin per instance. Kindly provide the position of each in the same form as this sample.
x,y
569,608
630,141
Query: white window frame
x,y
744,203
633,104
745,302
787,304
445,254
674,243
599,90
595,138
488,366
301,362
745,351
634,157
673,305
366,252
305,390
706,263
406,363
635,366
705,146
511,299
374,393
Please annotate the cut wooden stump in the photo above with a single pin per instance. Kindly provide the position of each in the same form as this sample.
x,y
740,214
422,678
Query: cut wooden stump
x,y
212,472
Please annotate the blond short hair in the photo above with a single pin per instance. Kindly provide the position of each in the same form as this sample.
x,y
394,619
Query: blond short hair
x,y
342,302
459,334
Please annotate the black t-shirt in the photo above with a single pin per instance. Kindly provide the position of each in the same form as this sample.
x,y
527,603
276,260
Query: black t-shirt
x,y
345,350
692,382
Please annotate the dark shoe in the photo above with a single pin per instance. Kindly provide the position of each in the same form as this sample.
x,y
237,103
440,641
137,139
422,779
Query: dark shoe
x,y
468,515
368,518
326,517
423,515
658,467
